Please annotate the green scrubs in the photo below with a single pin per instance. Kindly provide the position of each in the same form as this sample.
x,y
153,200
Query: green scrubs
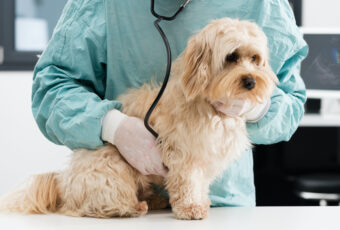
x,y
100,48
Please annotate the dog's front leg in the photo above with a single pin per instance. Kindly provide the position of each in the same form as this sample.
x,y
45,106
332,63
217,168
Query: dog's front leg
x,y
188,191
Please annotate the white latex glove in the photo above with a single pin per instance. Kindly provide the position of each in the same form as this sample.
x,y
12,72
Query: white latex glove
x,y
235,108
135,143
242,107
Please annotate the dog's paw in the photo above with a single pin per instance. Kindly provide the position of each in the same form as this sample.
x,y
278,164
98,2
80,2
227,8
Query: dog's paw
x,y
191,212
141,208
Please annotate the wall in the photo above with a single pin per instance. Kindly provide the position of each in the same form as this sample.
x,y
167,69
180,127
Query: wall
x,y
48,10
24,150
325,13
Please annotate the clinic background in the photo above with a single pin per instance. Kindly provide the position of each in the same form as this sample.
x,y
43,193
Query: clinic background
x,y
24,150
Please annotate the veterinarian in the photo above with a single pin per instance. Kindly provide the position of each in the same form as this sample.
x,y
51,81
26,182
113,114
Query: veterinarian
x,y
100,48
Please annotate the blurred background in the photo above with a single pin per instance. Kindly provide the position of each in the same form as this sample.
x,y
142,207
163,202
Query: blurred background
x,y
303,171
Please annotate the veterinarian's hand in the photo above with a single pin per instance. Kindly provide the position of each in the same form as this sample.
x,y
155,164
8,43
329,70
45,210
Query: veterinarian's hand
x,y
138,147
233,108
136,144
242,107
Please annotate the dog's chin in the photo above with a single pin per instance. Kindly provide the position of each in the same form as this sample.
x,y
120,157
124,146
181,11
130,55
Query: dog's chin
x,y
222,115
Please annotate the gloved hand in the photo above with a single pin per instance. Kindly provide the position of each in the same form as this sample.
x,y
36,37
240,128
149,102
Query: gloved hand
x,y
234,108
135,143
242,107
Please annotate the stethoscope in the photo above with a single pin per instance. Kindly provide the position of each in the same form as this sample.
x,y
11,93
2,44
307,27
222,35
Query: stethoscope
x,y
168,68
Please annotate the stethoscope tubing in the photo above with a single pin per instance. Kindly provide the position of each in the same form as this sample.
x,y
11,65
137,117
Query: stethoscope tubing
x,y
168,68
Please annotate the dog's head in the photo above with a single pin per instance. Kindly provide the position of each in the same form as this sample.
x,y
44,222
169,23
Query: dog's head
x,y
228,59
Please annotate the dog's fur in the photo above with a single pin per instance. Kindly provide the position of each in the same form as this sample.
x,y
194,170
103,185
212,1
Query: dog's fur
x,y
197,142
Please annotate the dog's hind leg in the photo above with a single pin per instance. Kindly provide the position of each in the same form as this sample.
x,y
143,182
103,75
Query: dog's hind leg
x,y
100,184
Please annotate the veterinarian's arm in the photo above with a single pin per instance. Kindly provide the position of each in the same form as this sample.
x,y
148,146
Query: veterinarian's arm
x,y
69,79
287,105
287,50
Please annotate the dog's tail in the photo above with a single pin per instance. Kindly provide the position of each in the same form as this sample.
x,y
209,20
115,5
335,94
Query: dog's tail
x,y
40,196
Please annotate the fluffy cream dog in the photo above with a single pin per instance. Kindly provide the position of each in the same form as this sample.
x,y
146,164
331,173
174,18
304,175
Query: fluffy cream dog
x,y
197,142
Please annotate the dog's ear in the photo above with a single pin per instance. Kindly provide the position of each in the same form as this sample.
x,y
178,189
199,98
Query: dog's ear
x,y
197,62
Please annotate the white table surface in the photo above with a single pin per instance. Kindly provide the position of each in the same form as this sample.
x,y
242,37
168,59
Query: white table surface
x,y
259,218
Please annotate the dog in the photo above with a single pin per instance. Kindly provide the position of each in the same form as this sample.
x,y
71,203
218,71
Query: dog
x,y
197,142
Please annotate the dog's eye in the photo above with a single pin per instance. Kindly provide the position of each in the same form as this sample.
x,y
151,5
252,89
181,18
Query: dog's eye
x,y
254,58
233,57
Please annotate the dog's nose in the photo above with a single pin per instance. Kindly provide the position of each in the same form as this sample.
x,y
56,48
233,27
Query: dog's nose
x,y
248,82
